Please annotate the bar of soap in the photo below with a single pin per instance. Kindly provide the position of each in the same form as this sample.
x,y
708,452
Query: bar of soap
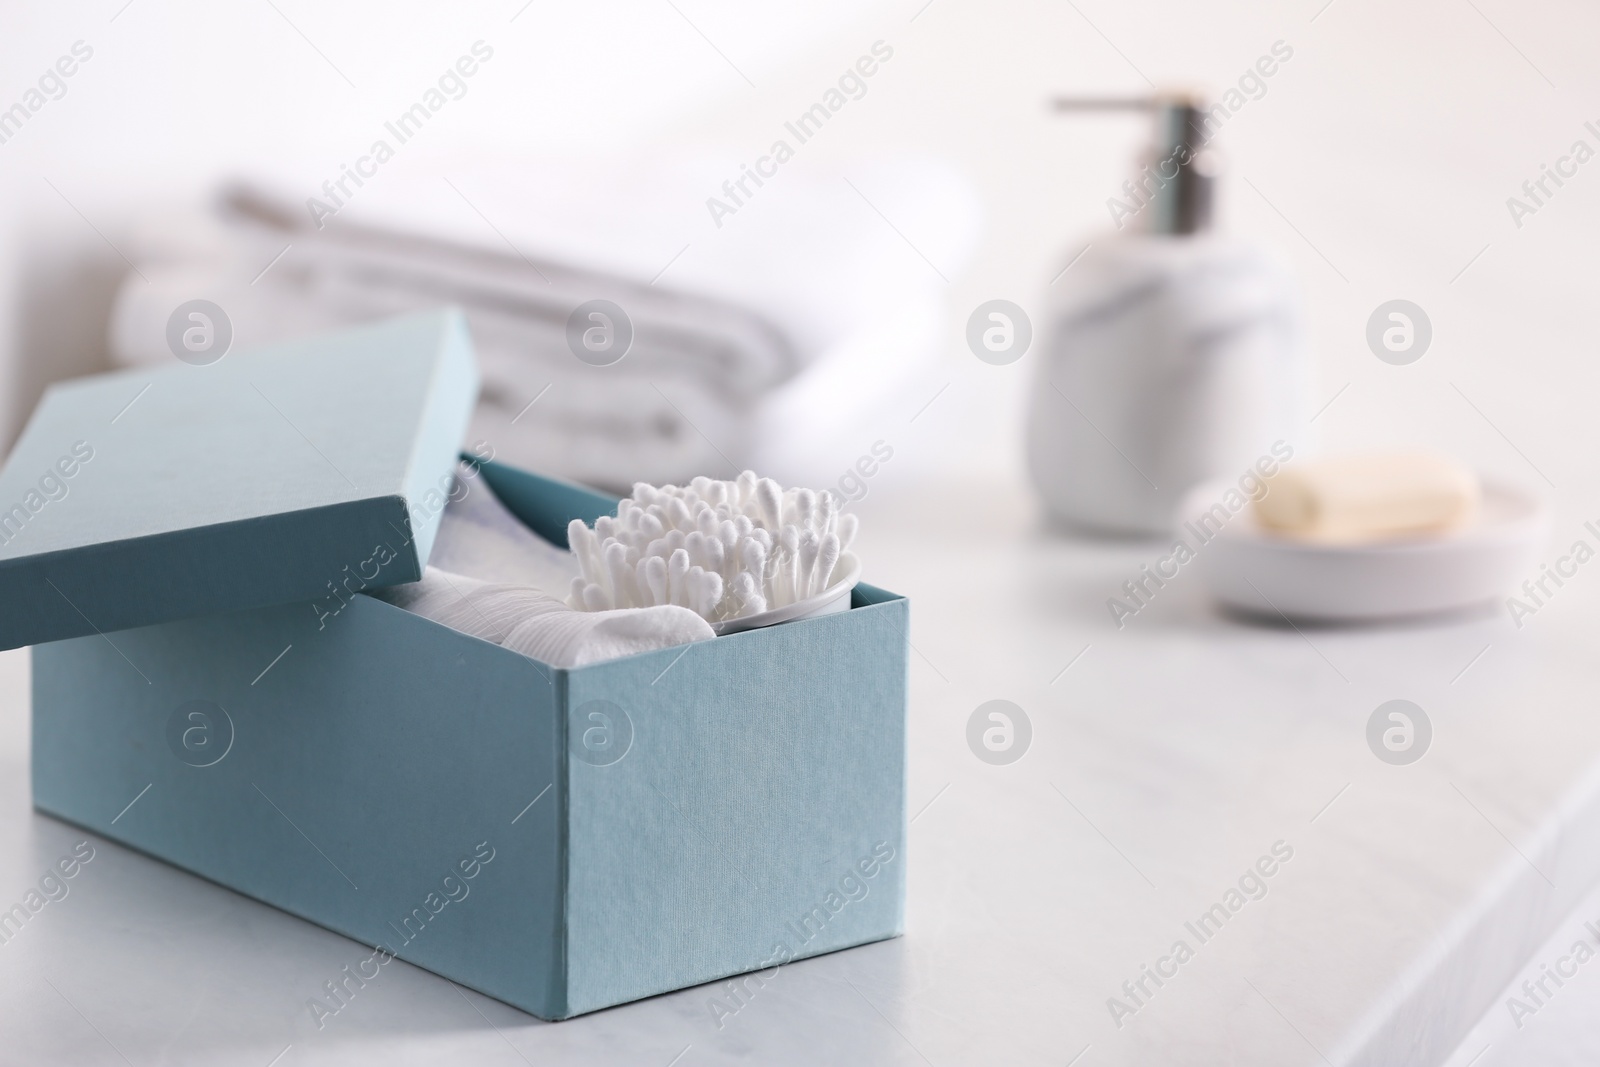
x,y
1353,499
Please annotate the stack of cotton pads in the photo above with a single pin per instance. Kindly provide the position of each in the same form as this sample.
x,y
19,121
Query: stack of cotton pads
x,y
495,579
479,537
522,619
724,550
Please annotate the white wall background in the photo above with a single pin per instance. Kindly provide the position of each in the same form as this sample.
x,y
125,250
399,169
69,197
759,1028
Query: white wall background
x,y
1386,147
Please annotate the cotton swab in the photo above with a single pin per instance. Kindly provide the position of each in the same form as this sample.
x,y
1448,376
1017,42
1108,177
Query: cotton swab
x,y
655,577
677,573
847,531
827,558
808,564
750,600
769,504
726,550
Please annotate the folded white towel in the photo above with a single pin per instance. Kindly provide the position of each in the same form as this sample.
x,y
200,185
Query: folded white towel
x,y
492,577
774,342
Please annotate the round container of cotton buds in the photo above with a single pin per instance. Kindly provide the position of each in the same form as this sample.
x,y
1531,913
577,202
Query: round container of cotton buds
x,y
740,554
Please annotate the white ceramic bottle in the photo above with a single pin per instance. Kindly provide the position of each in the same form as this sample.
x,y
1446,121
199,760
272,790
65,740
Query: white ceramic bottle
x,y
1172,354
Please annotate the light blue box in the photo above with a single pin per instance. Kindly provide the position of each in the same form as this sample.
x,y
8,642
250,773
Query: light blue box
x,y
563,840
150,495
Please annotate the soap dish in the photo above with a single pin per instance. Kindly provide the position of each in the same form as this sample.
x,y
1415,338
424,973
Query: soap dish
x,y
1256,572
832,599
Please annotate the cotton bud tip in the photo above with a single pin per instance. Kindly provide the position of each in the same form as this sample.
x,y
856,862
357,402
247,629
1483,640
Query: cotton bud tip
x,y
723,549
848,525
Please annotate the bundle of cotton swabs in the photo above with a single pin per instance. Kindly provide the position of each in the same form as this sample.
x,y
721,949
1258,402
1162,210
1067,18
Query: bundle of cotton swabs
x,y
725,550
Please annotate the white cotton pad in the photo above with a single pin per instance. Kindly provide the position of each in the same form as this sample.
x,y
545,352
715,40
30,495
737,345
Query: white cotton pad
x,y
493,578
526,621
567,638
479,537
1363,498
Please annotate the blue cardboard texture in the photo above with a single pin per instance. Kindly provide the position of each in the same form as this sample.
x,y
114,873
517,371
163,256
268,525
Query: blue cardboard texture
x,y
447,403
350,781
145,496
728,837
759,788
654,822
546,505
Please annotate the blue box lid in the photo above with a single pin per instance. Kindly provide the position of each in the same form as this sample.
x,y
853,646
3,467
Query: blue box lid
x,y
276,475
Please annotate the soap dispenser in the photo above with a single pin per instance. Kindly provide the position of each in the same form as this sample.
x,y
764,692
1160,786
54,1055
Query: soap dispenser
x,y
1173,355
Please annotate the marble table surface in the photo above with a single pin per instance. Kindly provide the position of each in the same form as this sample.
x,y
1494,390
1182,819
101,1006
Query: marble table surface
x,y
1171,763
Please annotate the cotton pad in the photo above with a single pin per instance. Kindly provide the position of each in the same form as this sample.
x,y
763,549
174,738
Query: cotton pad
x,y
478,536
525,620
493,578
1354,499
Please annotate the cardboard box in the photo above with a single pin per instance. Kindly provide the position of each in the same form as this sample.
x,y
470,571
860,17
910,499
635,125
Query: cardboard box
x,y
144,496
563,840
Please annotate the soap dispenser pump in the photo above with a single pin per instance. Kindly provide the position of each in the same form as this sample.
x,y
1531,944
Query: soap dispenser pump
x,y
1173,355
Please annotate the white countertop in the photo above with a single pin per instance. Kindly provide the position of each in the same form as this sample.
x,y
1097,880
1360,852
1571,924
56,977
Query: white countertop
x,y
1165,760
